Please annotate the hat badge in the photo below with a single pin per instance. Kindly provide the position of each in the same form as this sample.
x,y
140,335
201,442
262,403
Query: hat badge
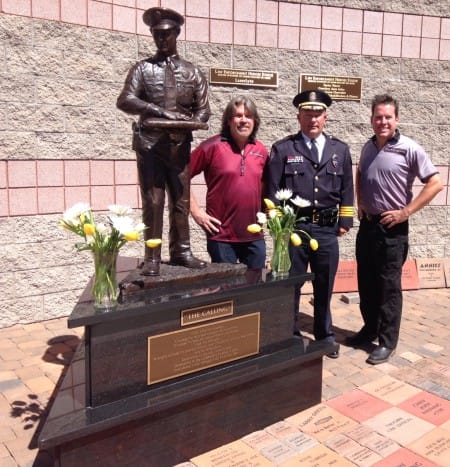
x,y
312,96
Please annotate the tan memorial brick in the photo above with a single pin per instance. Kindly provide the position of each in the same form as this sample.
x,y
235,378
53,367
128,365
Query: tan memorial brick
x,y
259,439
431,273
342,444
404,457
401,426
379,444
299,442
390,390
318,456
236,453
434,446
278,452
281,429
321,422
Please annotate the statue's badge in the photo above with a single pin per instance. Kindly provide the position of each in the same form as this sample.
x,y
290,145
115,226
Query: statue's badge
x,y
334,160
312,96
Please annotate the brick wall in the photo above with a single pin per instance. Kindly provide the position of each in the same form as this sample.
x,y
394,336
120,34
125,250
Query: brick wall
x,y
63,140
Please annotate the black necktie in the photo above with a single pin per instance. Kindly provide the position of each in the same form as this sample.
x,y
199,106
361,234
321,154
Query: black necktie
x,y
170,85
314,150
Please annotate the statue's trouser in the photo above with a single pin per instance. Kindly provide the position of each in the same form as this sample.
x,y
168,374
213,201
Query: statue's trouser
x,y
166,165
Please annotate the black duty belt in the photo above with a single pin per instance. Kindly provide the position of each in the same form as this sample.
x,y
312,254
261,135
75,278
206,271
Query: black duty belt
x,y
323,218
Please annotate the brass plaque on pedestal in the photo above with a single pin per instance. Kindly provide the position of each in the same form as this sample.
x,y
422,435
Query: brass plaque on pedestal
x,y
185,351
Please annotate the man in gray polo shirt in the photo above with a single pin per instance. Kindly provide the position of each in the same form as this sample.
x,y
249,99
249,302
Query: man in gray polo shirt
x,y
388,165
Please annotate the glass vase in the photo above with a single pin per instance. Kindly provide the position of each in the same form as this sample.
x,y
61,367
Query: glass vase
x,y
281,261
104,289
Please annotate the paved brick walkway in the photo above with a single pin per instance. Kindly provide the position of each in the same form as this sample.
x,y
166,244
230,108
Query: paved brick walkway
x,y
397,413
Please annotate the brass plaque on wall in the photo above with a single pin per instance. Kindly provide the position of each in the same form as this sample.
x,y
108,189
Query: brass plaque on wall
x,y
206,313
340,88
182,352
236,77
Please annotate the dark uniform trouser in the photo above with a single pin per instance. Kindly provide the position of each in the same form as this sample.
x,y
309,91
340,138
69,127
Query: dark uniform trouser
x,y
166,164
380,255
324,262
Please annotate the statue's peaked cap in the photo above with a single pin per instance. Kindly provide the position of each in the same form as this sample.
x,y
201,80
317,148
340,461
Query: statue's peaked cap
x,y
162,18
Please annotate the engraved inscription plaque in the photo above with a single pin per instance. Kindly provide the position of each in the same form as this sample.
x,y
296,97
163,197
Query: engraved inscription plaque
x,y
182,352
236,77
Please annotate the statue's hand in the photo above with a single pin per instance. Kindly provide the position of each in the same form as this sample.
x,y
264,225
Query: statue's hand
x,y
175,115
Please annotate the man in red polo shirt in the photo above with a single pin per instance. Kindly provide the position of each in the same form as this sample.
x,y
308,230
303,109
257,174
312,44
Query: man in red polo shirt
x,y
233,164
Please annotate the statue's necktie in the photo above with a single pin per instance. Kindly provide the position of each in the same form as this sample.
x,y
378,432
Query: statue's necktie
x,y
170,85
315,150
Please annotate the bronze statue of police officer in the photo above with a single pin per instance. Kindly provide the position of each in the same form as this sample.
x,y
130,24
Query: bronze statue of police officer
x,y
170,95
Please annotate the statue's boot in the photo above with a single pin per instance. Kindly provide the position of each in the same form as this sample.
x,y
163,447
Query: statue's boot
x,y
179,238
152,257
152,261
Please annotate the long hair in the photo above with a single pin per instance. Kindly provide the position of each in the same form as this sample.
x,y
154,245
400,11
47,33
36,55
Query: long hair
x,y
230,110
385,99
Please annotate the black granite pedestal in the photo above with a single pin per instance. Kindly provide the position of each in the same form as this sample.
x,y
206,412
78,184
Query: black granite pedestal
x,y
114,408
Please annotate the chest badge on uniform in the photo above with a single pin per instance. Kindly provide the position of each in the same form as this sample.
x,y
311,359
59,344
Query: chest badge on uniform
x,y
294,159
334,160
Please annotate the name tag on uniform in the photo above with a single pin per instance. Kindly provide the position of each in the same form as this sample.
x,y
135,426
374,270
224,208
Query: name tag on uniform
x,y
294,159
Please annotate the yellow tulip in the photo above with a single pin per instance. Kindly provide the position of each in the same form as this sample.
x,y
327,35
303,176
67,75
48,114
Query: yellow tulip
x,y
89,229
296,239
153,242
269,203
131,236
314,244
254,228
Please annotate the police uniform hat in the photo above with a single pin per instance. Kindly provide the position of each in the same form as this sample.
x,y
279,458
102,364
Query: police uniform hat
x,y
313,99
162,18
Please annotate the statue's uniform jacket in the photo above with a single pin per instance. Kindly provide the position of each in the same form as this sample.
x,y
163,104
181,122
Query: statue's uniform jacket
x,y
145,93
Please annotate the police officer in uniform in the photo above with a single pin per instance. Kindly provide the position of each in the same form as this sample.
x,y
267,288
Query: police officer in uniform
x,y
316,167
170,95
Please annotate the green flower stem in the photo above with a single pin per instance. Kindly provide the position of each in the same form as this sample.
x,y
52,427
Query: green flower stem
x,y
104,289
281,261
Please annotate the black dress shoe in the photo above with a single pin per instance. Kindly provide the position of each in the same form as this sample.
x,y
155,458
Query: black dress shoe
x,y
360,338
298,334
188,261
380,355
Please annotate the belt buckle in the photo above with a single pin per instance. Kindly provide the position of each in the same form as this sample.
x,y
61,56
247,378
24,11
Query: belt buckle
x,y
315,218
369,217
